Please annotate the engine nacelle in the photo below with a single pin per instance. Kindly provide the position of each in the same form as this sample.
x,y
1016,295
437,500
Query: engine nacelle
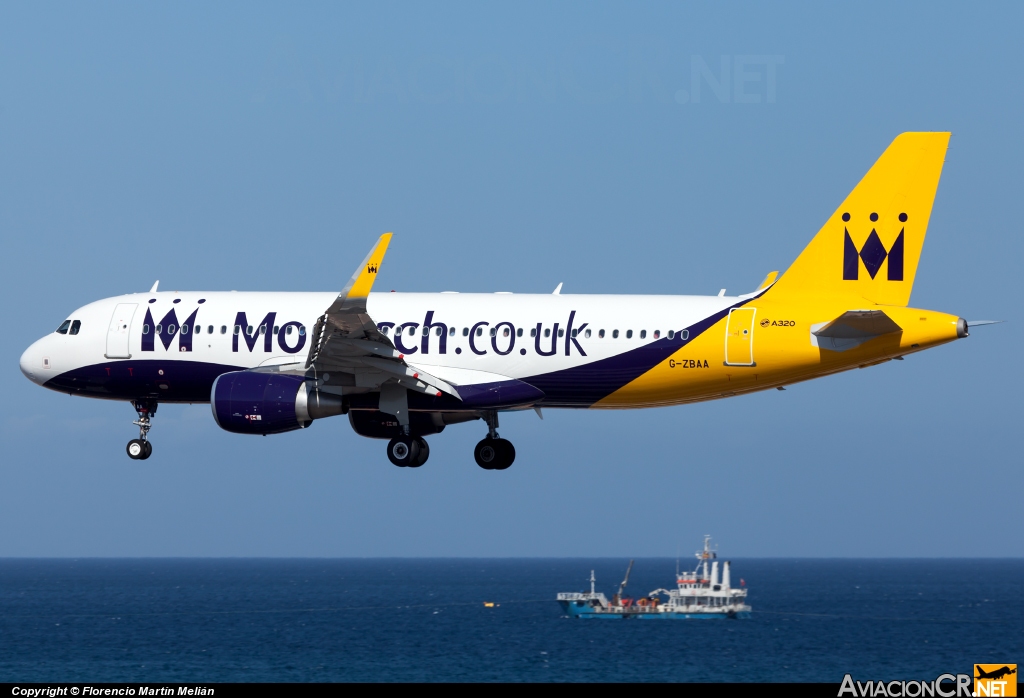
x,y
250,402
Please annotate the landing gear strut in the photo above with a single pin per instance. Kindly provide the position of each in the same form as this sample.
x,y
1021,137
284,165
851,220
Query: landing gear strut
x,y
141,448
493,452
408,451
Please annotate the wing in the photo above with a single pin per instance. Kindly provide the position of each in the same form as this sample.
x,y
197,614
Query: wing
x,y
345,339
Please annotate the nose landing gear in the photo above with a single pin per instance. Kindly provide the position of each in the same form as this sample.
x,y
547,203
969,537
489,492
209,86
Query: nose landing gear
x,y
493,452
141,448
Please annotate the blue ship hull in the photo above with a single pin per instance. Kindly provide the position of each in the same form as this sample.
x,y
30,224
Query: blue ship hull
x,y
586,611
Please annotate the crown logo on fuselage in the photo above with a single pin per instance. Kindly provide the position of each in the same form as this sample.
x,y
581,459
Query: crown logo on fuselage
x,y
872,253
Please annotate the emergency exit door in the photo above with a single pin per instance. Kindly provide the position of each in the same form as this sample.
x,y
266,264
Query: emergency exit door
x,y
739,337
117,332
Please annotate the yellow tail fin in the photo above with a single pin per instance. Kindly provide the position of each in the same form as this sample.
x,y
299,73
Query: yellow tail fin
x,y
870,246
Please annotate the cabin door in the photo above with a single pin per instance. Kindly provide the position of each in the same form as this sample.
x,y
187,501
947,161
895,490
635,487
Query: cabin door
x,y
739,337
117,333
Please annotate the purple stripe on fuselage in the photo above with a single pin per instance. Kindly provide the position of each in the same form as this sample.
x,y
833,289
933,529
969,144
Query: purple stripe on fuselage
x,y
166,381
582,386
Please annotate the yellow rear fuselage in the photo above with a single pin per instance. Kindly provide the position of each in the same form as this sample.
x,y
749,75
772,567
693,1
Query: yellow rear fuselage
x,y
776,349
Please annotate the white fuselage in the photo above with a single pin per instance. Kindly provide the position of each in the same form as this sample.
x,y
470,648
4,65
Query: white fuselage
x,y
534,335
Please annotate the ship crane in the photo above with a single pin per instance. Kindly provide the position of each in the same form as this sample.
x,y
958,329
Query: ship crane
x,y
617,599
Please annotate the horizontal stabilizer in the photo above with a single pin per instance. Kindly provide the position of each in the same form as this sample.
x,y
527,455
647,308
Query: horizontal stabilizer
x,y
853,328
859,324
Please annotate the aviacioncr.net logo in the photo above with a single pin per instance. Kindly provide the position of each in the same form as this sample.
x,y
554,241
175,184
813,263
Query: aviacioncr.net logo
x,y
944,686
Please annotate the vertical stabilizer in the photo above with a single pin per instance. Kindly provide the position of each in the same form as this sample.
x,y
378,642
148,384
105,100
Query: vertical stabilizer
x,y
869,248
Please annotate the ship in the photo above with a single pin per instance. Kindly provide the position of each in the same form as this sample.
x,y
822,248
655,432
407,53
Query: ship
x,y
698,594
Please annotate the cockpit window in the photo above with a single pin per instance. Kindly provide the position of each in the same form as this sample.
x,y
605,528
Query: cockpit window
x,y
75,326
63,329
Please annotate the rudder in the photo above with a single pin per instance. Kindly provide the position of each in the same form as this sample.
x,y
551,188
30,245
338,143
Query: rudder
x,y
870,246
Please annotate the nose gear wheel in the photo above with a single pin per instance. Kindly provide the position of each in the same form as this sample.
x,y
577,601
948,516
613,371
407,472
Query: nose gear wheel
x,y
141,448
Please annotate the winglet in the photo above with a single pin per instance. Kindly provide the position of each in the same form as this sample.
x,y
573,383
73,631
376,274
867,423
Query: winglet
x,y
558,290
768,280
155,284
359,285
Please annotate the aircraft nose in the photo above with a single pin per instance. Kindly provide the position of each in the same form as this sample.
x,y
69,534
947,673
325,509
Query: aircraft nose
x,y
31,363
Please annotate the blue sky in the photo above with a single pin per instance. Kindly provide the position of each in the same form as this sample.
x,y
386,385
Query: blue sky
x,y
265,147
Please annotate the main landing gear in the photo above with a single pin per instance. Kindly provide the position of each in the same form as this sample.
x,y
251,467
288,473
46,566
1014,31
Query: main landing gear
x,y
494,453
408,451
141,448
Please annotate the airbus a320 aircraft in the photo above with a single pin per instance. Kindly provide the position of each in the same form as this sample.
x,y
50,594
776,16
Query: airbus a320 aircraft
x,y
403,366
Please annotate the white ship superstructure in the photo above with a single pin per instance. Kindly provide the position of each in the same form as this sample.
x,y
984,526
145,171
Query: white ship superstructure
x,y
698,594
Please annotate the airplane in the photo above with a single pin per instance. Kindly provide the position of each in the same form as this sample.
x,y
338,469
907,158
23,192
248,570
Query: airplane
x,y
996,673
403,366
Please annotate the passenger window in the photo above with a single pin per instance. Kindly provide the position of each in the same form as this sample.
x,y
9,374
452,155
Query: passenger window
x,y
547,333
145,329
209,330
615,334
248,330
506,332
657,334
479,331
302,330
199,329
289,328
426,331
184,329
75,326
159,329
533,332
224,329
171,329
643,334
277,329
600,334
629,334
519,332
671,334
587,334
575,332
451,331
561,333
494,331
63,329
685,334
412,330
238,328
465,331
263,329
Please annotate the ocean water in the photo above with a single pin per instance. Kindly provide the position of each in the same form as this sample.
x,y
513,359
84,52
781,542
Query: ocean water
x,y
425,620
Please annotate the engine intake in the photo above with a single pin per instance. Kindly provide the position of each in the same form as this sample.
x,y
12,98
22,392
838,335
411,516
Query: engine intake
x,y
249,402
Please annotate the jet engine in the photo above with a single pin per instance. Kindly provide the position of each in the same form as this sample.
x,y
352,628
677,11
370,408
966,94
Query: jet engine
x,y
251,402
